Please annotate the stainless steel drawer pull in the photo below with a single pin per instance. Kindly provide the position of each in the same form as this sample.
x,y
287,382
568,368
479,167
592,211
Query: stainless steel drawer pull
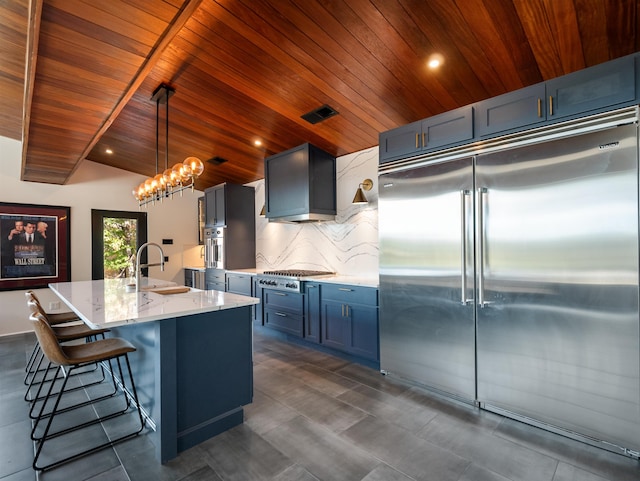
x,y
345,289
280,294
281,314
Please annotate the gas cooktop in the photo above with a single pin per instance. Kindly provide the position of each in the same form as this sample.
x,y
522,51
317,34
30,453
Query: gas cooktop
x,y
297,273
287,279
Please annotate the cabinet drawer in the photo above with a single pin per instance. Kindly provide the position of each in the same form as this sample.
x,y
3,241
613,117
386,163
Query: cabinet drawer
x,y
350,294
284,321
283,300
239,284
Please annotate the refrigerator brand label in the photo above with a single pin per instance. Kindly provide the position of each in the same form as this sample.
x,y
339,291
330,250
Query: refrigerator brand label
x,y
610,145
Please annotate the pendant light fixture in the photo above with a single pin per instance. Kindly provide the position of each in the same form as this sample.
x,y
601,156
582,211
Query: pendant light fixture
x,y
175,179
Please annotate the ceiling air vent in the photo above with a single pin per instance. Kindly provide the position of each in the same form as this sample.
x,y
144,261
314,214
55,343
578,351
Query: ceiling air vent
x,y
319,114
217,160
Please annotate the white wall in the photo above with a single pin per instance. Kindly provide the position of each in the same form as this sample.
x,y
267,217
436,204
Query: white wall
x,y
93,186
348,245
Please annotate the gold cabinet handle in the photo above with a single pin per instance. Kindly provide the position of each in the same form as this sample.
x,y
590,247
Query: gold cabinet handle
x,y
424,140
550,105
539,107
417,140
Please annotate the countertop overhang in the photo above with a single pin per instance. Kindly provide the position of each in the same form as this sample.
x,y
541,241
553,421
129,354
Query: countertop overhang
x,y
106,303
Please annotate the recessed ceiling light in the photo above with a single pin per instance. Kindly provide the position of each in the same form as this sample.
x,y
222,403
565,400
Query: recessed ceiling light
x,y
257,142
435,60
109,151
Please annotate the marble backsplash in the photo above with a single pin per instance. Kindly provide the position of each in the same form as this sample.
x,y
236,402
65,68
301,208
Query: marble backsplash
x,y
347,246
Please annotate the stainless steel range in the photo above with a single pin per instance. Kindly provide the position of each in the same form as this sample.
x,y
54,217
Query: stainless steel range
x,y
287,279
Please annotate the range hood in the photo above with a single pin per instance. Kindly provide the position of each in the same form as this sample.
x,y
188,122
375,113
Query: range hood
x,y
302,218
300,185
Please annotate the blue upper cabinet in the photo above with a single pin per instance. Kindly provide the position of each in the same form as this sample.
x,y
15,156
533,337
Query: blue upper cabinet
x,y
596,89
401,142
514,110
448,129
603,86
437,132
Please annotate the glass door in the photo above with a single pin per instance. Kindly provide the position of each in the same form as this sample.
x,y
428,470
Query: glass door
x,y
116,237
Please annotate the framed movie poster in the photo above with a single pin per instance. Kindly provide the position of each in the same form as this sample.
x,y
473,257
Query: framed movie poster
x,y
34,244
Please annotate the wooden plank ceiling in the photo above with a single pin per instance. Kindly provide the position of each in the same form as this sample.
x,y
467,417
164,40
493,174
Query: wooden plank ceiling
x,y
248,69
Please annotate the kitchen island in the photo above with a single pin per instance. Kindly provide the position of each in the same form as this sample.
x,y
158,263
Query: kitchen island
x,y
193,365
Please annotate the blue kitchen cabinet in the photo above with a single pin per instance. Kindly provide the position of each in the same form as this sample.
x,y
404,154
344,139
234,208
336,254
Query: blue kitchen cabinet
x,y
335,325
246,285
595,89
215,279
514,110
602,86
401,142
434,133
312,321
215,206
283,311
350,319
257,309
231,205
238,283
598,88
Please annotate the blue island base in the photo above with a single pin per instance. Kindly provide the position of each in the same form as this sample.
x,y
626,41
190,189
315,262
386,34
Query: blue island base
x,y
193,375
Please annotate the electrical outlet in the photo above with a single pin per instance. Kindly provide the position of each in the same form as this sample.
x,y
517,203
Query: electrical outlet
x,y
166,258
54,306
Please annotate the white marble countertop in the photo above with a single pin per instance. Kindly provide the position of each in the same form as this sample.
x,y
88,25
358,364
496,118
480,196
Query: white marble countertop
x,y
106,303
342,279
195,268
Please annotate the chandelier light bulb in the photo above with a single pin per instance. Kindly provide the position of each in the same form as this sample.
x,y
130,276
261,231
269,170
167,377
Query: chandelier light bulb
x,y
185,173
168,178
195,165
159,180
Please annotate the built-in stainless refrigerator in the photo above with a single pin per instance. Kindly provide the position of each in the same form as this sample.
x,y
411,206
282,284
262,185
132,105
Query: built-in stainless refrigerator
x,y
509,277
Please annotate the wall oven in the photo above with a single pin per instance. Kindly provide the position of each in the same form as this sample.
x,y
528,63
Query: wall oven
x,y
214,248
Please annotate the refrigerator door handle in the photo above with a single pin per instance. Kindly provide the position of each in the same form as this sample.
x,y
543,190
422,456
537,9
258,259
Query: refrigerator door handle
x,y
481,239
463,246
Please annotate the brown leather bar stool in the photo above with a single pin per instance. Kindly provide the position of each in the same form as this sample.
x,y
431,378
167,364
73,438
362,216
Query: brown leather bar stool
x,y
67,358
63,333
53,318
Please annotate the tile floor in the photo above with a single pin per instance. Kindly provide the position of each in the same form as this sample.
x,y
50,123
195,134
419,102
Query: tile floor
x,y
318,417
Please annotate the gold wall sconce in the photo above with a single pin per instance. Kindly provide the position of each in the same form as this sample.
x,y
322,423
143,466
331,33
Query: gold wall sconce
x,y
360,198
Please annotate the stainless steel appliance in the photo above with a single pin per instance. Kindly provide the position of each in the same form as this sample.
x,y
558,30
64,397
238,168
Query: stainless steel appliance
x,y
196,279
214,248
509,277
287,279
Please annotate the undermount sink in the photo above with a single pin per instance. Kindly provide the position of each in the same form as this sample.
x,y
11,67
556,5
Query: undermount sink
x,y
170,290
150,287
